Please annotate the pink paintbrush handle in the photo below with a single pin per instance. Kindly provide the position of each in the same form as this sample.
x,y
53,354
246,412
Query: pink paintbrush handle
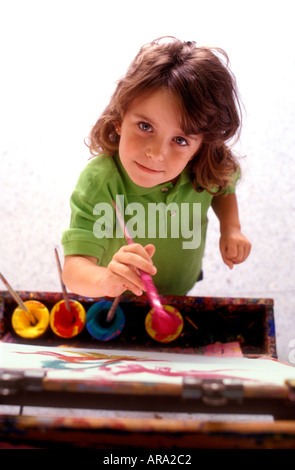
x,y
152,292
146,278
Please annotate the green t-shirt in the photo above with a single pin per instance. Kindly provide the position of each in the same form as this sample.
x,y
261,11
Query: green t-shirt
x,y
172,217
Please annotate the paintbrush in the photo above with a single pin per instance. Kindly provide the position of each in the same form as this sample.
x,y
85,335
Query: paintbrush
x,y
112,311
18,300
70,317
165,323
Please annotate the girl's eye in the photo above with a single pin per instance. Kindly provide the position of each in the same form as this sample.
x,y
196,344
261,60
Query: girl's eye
x,y
145,126
181,141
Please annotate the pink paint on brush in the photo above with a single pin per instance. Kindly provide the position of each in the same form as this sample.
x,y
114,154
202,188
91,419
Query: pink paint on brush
x,y
163,322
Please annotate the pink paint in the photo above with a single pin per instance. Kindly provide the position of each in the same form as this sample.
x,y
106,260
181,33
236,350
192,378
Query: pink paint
x,y
167,372
163,322
152,325
172,323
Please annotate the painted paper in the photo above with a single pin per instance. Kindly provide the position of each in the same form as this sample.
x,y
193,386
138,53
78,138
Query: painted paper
x,y
111,366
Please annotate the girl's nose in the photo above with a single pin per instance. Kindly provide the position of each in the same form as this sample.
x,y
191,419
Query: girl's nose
x,y
156,150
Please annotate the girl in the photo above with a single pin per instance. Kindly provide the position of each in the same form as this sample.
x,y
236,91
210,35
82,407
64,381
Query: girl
x,y
161,149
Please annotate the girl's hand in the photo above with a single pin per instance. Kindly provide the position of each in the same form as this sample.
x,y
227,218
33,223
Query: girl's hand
x,y
234,248
122,272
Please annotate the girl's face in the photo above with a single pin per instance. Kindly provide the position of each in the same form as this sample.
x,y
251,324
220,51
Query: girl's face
x,y
153,148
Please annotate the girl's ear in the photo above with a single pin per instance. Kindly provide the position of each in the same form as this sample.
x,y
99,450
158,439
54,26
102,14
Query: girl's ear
x,y
117,127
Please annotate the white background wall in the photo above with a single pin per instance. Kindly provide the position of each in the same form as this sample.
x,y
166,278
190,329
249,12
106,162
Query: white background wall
x,y
59,62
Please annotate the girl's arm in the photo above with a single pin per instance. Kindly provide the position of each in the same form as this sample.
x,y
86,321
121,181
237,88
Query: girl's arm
x,y
234,246
82,275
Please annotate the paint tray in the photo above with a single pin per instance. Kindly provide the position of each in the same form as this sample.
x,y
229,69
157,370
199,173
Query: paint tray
x,y
208,321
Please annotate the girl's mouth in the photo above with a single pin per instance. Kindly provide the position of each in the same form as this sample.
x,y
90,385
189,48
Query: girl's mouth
x,y
147,169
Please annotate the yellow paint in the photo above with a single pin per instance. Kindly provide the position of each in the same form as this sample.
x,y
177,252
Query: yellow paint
x,y
22,325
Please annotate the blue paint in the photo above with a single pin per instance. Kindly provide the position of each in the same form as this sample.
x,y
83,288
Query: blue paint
x,y
96,323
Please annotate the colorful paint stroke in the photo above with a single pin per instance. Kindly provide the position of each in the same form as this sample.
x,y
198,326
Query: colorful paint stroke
x,y
134,366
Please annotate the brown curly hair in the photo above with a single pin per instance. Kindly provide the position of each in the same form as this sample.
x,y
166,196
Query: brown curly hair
x,y
206,94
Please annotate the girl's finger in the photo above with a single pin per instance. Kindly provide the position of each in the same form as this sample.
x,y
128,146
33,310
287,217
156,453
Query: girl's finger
x,y
126,275
135,259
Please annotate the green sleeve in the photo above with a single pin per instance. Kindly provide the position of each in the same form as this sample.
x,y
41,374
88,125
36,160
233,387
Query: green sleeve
x,y
231,187
79,239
